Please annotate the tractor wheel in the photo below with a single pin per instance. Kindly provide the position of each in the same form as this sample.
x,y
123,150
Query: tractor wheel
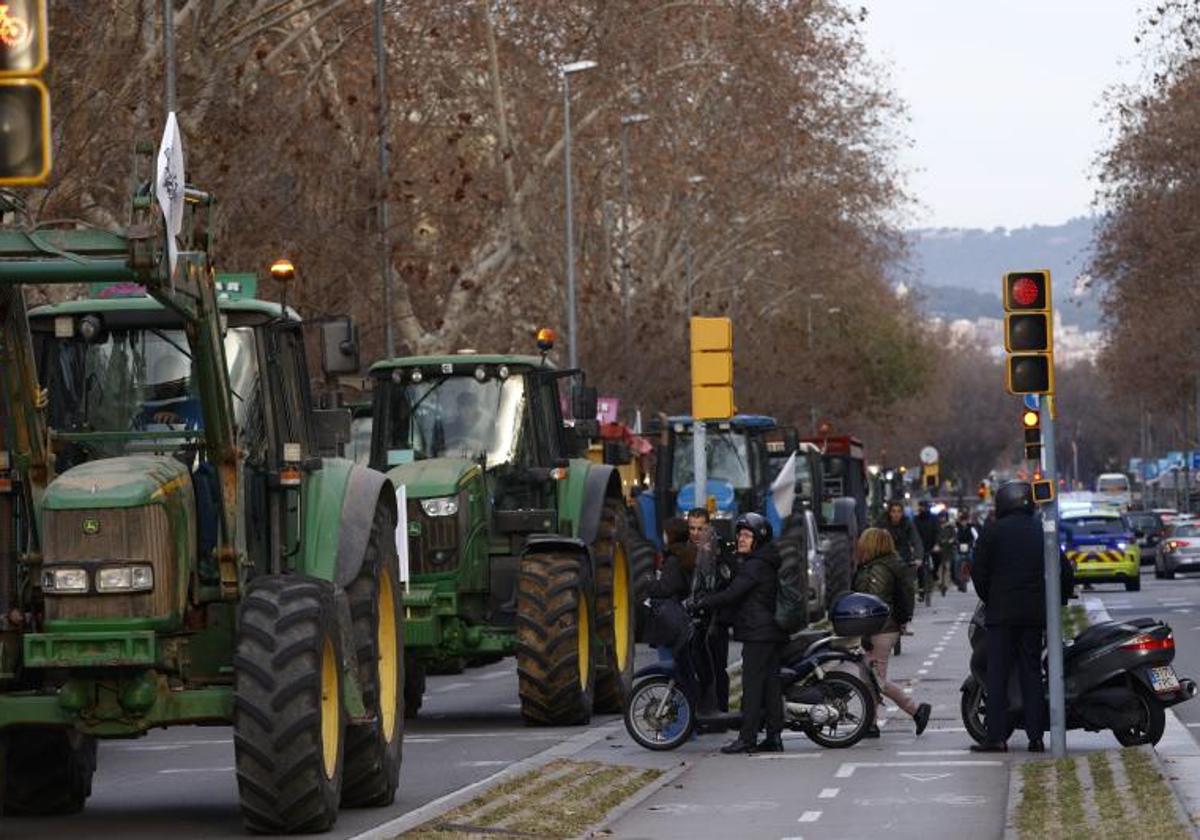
x,y
791,549
414,686
837,568
47,771
288,718
373,750
642,559
615,607
555,672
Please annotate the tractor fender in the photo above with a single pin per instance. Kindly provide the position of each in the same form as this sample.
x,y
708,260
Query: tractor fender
x,y
559,544
602,484
339,506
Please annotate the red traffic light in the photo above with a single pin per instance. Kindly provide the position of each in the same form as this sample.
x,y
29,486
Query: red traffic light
x,y
1027,290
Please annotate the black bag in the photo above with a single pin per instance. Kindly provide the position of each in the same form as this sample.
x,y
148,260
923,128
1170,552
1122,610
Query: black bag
x,y
669,625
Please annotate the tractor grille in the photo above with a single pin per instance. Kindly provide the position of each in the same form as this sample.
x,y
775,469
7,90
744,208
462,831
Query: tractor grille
x,y
433,540
124,535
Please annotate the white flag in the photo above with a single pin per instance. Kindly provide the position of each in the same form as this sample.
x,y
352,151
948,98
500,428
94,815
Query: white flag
x,y
402,535
168,185
783,488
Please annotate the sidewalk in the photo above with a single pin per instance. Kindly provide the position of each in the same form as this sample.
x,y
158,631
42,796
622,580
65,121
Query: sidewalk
x,y
877,786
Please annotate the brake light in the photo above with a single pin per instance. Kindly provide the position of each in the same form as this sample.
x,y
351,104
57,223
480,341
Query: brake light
x,y
1172,545
1144,641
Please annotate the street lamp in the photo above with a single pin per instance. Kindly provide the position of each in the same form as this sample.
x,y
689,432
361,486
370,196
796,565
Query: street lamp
x,y
626,121
567,70
693,181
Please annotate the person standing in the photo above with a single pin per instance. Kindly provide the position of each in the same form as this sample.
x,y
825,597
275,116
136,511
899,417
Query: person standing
x,y
947,548
713,573
753,593
881,573
907,543
1009,577
966,536
927,529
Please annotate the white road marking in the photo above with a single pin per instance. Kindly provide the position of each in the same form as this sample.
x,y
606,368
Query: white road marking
x,y
1192,725
170,745
847,769
782,756
927,663
411,740
809,816
828,793
173,770
933,752
922,672
948,729
451,687
926,777
496,675
483,763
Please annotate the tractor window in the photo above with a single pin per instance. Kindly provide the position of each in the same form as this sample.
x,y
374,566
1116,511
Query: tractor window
x,y
455,416
291,381
727,459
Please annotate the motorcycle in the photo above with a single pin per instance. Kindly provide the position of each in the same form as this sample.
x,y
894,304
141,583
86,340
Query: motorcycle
x,y
823,695
1118,676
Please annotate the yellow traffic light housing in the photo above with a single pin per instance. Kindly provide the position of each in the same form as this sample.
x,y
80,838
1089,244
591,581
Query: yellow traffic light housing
x,y
1027,291
712,368
1032,422
1030,373
1028,333
24,100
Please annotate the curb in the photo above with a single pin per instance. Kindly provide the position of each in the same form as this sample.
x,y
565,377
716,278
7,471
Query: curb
x,y
1181,813
448,802
1015,788
637,799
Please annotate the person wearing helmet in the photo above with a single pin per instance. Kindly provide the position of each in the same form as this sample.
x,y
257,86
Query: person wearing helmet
x,y
1009,578
753,593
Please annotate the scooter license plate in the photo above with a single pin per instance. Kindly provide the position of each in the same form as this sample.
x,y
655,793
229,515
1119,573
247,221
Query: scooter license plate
x,y
1163,680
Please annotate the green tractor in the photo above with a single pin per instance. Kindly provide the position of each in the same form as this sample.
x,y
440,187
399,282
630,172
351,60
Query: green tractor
x,y
515,546
173,551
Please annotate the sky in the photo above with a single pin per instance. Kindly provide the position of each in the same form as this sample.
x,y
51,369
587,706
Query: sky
x,y
1004,101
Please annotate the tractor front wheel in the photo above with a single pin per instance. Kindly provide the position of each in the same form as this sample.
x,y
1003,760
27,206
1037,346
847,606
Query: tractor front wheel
x,y
555,673
288,718
47,771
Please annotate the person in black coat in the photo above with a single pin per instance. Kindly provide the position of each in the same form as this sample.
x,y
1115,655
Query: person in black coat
x,y
753,593
1009,577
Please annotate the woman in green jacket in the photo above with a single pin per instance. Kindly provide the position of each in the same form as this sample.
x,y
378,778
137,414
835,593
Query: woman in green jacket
x,y
883,574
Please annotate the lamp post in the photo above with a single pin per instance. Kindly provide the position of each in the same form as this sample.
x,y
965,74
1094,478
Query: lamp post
x,y
626,121
693,180
572,338
812,298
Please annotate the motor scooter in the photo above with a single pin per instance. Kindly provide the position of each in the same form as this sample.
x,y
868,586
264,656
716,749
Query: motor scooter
x,y
829,693
1118,676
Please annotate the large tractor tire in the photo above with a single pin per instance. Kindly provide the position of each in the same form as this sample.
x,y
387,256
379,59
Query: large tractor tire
x,y
837,568
288,718
555,672
615,608
642,559
414,686
47,771
791,549
373,750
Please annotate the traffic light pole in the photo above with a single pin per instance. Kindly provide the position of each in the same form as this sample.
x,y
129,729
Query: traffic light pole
x,y
700,462
1054,641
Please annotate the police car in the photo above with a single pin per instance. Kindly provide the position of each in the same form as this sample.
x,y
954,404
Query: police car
x,y
1101,547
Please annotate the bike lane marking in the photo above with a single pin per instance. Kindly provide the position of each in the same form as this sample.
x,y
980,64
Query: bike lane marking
x,y
847,769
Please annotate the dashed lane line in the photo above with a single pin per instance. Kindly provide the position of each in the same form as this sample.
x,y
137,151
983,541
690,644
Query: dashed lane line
x,y
828,793
847,769
809,816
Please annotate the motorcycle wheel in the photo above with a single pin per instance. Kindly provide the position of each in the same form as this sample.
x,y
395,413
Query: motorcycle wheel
x,y
642,720
974,712
856,707
1149,729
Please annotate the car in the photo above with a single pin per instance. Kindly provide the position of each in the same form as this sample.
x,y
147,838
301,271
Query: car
x,y
1101,548
1148,528
1179,550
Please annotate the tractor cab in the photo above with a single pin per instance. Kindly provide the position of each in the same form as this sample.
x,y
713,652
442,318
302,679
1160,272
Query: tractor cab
x,y
844,472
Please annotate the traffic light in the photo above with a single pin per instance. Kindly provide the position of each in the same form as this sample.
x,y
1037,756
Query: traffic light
x,y
1028,333
930,478
712,368
1032,422
24,99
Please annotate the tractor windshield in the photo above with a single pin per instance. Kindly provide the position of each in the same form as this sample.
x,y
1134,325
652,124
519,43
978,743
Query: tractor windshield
x,y
137,380
455,417
727,459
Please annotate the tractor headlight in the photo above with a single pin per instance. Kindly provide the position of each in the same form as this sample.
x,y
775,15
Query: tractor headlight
x,y
66,581
442,506
125,579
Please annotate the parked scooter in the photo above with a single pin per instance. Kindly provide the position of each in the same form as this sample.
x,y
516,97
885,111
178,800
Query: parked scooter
x,y
824,692
1118,676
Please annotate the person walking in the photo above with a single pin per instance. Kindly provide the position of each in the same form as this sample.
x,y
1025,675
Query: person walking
x,y
947,548
882,573
927,529
966,536
907,542
753,593
1009,578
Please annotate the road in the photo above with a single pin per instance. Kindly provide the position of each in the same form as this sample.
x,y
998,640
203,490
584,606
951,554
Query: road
x,y
180,782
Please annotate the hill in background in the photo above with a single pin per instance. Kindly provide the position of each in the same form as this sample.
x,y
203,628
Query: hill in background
x,y
957,271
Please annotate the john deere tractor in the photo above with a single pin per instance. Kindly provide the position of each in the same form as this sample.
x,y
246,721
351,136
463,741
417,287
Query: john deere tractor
x,y
172,549
515,546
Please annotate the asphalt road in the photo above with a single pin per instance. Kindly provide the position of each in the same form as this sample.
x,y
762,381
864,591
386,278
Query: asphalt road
x,y
1178,603
180,783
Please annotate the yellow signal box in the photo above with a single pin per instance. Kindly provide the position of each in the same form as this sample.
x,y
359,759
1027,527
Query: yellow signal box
x,y
24,100
712,368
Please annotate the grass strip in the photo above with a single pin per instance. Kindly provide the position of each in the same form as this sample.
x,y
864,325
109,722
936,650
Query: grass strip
x,y
1157,815
534,804
1074,621
1105,794
1073,821
1035,811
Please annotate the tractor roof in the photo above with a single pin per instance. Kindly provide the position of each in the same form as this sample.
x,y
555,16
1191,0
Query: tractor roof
x,y
459,359
145,303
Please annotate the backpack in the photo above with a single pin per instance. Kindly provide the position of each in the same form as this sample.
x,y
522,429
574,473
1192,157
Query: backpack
x,y
791,604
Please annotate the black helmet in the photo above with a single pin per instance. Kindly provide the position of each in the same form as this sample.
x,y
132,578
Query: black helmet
x,y
757,525
1014,496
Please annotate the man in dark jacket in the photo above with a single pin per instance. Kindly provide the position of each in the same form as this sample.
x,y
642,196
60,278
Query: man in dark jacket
x,y
927,529
753,593
1009,576
904,534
